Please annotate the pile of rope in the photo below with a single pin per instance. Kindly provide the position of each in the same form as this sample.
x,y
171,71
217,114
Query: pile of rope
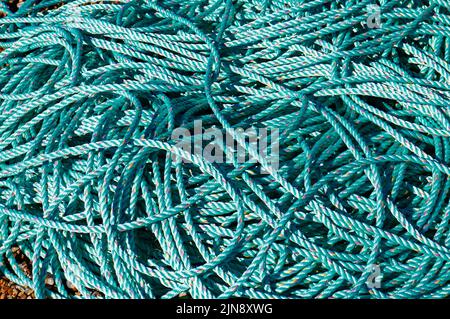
x,y
100,198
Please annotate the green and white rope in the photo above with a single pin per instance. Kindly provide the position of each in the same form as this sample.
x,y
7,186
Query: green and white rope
x,y
99,197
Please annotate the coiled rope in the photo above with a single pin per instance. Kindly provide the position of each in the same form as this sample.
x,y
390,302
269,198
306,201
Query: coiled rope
x,y
94,191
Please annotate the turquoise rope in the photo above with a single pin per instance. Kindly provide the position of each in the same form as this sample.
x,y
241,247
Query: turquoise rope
x,y
93,191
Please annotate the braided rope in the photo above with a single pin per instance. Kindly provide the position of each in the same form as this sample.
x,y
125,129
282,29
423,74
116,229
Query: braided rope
x,y
100,198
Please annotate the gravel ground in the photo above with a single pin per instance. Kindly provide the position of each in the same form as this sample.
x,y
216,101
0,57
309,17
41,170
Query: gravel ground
x,y
9,290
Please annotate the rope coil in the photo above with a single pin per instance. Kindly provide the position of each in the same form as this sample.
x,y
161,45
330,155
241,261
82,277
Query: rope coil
x,y
96,193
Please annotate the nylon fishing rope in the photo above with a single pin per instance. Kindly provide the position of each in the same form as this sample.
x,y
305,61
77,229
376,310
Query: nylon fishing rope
x,y
114,114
